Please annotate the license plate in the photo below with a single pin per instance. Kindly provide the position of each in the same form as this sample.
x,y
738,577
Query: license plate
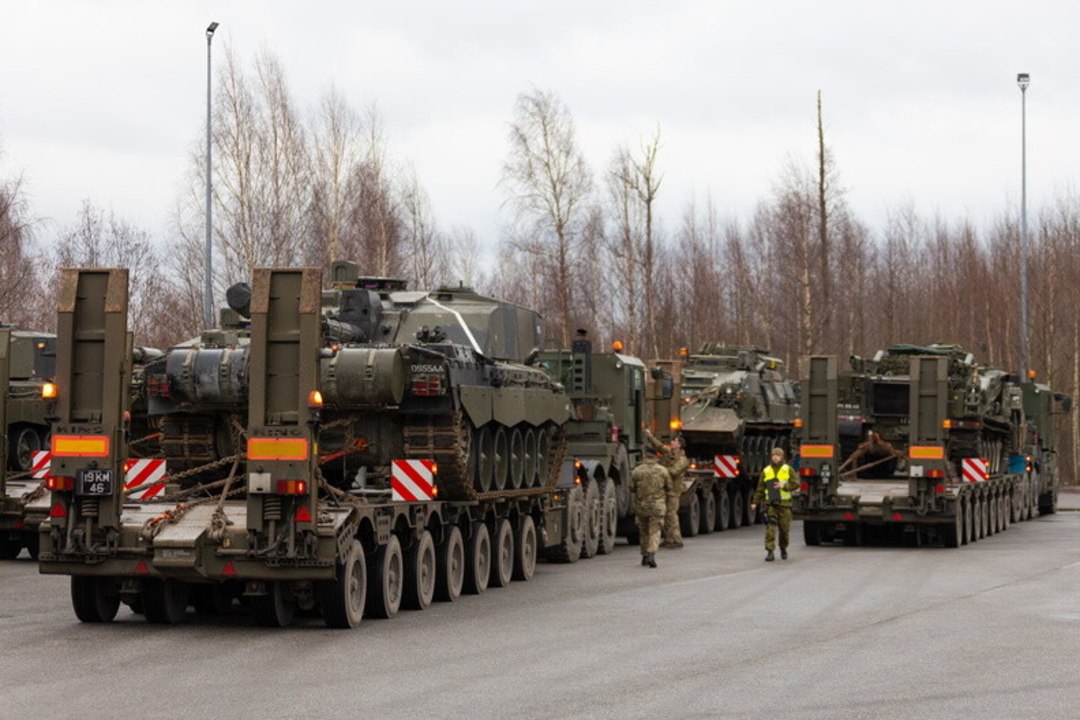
x,y
94,482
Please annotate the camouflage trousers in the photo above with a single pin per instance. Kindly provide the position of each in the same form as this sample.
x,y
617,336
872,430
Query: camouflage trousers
x,y
649,530
778,518
672,532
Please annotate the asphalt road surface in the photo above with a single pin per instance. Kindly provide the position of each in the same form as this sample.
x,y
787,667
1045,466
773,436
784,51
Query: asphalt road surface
x,y
991,630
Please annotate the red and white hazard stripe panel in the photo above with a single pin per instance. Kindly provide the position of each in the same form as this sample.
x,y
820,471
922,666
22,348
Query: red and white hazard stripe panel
x,y
42,461
726,466
412,480
147,474
975,469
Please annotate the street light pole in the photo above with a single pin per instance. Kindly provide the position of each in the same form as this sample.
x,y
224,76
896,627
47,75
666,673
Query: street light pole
x,y
208,290
1023,80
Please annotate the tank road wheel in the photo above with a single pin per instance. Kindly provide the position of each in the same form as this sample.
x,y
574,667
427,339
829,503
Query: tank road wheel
x,y
276,608
593,521
91,600
609,515
502,458
450,566
517,458
164,601
723,510
543,455
485,450
690,518
343,599
569,549
708,513
529,472
478,557
387,581
525,549
737,509
419,587
24,443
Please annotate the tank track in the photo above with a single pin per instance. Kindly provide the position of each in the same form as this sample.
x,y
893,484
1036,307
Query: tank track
x,y
446,440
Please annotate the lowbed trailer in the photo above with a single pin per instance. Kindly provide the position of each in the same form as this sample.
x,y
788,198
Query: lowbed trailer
x,y
941,491
273,533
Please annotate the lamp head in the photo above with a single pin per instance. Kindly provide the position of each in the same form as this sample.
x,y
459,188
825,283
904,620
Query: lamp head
x,y
210,29
1023,80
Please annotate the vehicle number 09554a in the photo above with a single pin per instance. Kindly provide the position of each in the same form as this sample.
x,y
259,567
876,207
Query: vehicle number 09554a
x,y
94,482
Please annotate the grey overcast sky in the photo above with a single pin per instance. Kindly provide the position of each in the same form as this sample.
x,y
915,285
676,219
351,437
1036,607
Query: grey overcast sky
x,y
104,100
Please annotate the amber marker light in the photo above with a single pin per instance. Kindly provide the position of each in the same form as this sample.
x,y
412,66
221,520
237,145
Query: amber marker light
x,y
617,346
314,399
48,391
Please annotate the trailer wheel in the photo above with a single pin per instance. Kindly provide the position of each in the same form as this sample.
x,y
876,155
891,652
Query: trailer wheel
x,y
969,522
980,519
525,550
342,600
478,556
811,530
32,543
419,587
723,511
387,581
952,533
502,554
165,601
609,517
91,600
853,534
750,517
995,516
1005,503
450,566
1048,503
708,513
593,521
569,550
9,549
211,600
690,518
736,509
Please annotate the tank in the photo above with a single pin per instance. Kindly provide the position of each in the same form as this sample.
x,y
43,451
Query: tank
x,y
736,401
445,374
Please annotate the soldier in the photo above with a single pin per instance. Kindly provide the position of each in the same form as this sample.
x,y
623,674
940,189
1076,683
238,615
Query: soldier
x,y
774,489
649,482
674,459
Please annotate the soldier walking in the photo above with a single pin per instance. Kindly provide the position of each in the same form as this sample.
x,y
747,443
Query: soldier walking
x,y
672,457
649,483
774,489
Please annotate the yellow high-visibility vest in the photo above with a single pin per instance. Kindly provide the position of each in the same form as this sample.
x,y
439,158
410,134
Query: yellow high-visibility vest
x,y
783,475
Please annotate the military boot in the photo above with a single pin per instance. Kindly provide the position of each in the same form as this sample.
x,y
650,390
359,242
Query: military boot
x,y
769,557
783,553
652,561
644,560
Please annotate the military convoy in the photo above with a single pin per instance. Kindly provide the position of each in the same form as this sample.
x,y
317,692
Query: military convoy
x,y
922,444
27,365
737,403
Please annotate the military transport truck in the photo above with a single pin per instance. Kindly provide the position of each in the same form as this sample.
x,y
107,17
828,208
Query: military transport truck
x,y
737,404
386,457
921,444
27,365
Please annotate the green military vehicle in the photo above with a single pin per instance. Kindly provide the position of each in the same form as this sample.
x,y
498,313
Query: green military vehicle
x,y
361,450
737,404
27,366
605,439
921,444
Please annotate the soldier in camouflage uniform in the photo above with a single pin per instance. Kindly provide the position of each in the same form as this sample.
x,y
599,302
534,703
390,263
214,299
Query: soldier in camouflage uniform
x,y
674,459
774,489
649,482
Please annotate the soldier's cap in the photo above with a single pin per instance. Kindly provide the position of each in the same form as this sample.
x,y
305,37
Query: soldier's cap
x,y
778,451
651,451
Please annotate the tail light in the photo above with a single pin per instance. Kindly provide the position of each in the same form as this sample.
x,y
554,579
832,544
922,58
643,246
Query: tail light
x,y
427,385
157,385
291,487
60,484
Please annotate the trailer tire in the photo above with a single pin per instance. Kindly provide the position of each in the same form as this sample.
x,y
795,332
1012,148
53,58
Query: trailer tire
x,y
708,512
723,511
995,516
450,568
811,530
525,550
609,513
387,581
10,549
211,600
502,554
853,534
690,518
343,599
91,601
569,550
165,602
419,587
750,517
951,533
594,521
736,509
32,543
478,560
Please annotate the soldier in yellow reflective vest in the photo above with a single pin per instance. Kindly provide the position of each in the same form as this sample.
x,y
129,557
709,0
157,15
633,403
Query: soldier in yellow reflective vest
x,y
774,489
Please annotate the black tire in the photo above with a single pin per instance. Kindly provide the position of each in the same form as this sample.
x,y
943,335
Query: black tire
x,y
502,554
24,442
420,571
1048,502
994,515
723,511
10,548
387,581
276,608
811,530
690,518
609,513
952,533
736,509
568,550
211,600
750,517
526,549
478,560
343,599
450,568
853,534
32,543
594,520
91,600
980,519
1005,505
165,602
708,513
969,521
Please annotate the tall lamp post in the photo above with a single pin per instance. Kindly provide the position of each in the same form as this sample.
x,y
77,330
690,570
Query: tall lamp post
x,y
1023,80
208,290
